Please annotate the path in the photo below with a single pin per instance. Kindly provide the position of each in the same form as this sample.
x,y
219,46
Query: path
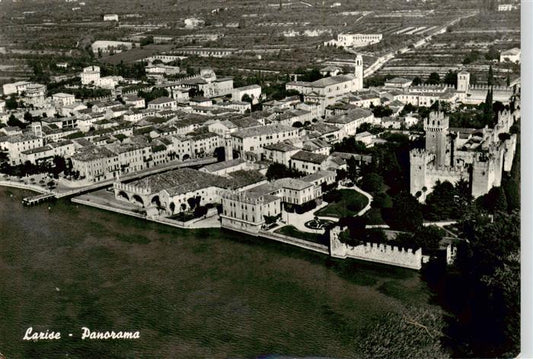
x,y
361,212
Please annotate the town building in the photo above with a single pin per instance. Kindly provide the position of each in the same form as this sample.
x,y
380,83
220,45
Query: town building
x,y
106,46
63,99
90,75
251,141
355,40
162,103
328,90
110,17
308,162
511,55
15,145
252,91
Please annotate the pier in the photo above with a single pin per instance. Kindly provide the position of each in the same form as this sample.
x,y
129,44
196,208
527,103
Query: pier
x,y
30,201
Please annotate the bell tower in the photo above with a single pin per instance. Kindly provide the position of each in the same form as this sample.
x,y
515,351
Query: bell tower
x,y
358,72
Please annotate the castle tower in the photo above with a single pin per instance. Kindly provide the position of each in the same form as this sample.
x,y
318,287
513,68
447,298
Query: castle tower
x,y
463,81
483,172
418,160
436,127
358,73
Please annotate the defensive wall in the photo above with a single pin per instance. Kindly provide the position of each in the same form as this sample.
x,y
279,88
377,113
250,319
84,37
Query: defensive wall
x,y
375,252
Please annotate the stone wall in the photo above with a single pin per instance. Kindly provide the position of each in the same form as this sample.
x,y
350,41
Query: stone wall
x,y
375,252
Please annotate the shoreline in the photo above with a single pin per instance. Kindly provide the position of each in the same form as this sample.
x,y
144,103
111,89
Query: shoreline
x,y
25,186
315,247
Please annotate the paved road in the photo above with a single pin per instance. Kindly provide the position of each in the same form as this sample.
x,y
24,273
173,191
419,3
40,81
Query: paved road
x,y
381,61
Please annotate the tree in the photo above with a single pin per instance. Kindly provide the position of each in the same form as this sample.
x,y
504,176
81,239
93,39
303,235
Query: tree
x,y
381,111
372,182
488,114
415,332
433,79
246,98
440,204
279,170
13,121
352,168
417,81
490,76
488,283
495,200
11,103
155,93
450,78
406,212
28,117
492,54
428,237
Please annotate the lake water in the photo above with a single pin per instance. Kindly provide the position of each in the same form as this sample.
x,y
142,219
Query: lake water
x,y
190,294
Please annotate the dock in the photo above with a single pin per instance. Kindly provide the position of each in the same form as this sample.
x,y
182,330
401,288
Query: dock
x,y
30,201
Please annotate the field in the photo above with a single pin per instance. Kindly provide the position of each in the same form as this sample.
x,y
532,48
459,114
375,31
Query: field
x,y
276,39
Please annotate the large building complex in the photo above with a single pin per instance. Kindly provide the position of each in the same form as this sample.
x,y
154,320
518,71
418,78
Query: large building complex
x,y
452,154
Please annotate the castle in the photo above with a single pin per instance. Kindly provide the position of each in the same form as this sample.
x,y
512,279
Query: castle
x,y
478,156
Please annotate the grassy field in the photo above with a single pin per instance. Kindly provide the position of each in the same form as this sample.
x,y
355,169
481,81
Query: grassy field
x,y
294,232
191,294
350,204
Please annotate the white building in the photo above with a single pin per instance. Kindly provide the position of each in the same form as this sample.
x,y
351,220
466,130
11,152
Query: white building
x,y
104,46
280,152
134,100
63,99
160,70
512,55
308,162
355,40
15,145
162,103
15,88
252,140
253,91
111,17
248,210
90,75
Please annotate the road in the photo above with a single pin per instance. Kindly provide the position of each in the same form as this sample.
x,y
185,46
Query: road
x,y
381,61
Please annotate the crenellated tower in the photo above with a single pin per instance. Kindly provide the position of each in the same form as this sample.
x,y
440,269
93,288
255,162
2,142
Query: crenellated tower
x,y
418,179
436,127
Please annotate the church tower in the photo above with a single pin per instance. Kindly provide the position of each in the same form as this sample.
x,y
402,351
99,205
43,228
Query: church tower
x,y
358,73
436,127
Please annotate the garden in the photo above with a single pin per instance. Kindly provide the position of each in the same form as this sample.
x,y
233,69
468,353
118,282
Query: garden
x,y
342,203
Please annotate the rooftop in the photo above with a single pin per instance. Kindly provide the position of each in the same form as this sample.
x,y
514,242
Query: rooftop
x,y
292,183
181,181
91,153
222,165
161,100
281,147
318,175
262,130
307,156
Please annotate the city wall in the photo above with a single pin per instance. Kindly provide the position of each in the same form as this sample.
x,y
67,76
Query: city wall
x,y
375,252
